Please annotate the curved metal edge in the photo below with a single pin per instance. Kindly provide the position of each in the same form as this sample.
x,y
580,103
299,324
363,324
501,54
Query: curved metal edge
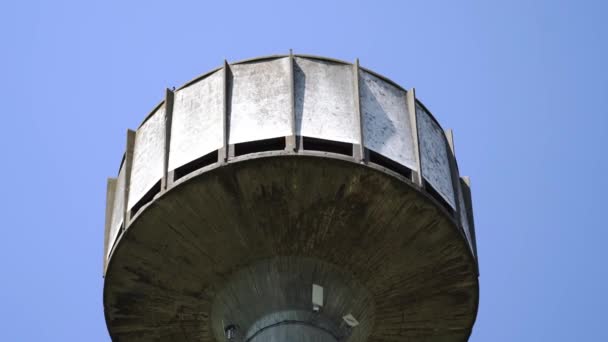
x,y
122,162
322,58
199,78
259,59
431,115
271,57
152,112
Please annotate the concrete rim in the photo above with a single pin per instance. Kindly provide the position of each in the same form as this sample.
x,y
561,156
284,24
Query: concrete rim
x,y
243,162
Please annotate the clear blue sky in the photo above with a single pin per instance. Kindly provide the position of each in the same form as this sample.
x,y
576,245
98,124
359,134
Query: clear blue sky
x,y
523,84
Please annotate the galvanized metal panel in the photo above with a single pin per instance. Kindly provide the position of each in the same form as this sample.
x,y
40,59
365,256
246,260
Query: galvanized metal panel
x,y
118,208
196,127
386,124
411,111
260,101
325,103
148,156
434,156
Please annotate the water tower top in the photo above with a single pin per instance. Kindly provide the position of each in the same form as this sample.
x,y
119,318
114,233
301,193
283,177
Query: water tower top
x,y
253,183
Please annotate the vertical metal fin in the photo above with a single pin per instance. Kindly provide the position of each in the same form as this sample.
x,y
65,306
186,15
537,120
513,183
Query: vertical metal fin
x,y
411,108
110,193
169,98
359,152
224,153
128,166
291,143
465,182
449,134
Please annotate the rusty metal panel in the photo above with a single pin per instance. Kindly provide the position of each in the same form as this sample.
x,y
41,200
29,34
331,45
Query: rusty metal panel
x,y
386,124
260,101
148,156
118,208
325,103
434,156
196,127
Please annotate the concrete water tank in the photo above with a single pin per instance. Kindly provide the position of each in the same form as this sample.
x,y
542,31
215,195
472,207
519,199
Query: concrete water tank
x,y
290,198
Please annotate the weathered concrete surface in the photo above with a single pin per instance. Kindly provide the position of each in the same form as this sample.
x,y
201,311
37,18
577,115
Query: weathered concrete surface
x,y
397,242
278,291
